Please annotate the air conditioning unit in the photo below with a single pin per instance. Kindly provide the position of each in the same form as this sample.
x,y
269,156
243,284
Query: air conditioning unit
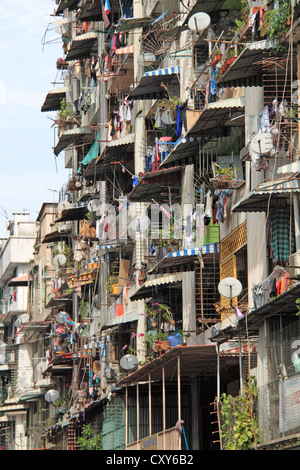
x,y
294,263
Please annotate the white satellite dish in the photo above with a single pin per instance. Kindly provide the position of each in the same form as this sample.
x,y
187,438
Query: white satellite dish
x,y
199,22
167,118
262,142
62,205
60,317
128,362
59,260
145,58
51,396
93,205
230,287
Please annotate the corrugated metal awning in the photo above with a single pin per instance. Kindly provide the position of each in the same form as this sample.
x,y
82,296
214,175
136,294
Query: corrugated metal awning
x,y
147,288
126,24
76,213
56,236
195,361
156,185
150,84
113,148
63,4
79,135
249,62
219,114
269,194
90,11
83,47
53,99
125,318
20,281
125,50
184,259
183,149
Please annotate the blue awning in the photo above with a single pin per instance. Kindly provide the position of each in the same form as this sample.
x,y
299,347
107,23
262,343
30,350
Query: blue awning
x,y
150,84
160,72
211,248
183,259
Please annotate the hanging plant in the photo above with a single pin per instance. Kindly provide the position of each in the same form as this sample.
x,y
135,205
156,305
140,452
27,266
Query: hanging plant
x,y
277,21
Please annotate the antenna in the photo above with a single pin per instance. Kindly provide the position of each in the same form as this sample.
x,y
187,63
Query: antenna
x,y
230,287
128,362
199,22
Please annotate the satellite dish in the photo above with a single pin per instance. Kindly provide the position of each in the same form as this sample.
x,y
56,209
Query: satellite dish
x,y
128,362
230,287
199,22
167,118
51,396
62,205
262,142
147,57
59,260
93,205
60,318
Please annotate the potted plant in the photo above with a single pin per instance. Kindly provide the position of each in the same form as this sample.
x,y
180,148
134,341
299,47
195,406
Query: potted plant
x,y
161,342
152,314
167,314
218,55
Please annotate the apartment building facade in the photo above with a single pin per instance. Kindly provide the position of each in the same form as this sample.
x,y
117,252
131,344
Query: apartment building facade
x,y
168,273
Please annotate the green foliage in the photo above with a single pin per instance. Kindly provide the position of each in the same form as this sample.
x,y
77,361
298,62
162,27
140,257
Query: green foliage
x,y
228,171
66,111
298,306
240,427
276,22
89,440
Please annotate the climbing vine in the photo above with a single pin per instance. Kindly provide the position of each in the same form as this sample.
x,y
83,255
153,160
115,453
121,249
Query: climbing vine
x,y
239,428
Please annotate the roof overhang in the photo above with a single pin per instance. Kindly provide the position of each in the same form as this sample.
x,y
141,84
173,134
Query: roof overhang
x,y
127,24
183,149
282,306
53,99
250,61
220,114
156,184
184,259
20,281
195,361
63,4
206,6
77,136
75,213
150,86
269,194
83,47
56,237
115,148
90,11
146,291
60,301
